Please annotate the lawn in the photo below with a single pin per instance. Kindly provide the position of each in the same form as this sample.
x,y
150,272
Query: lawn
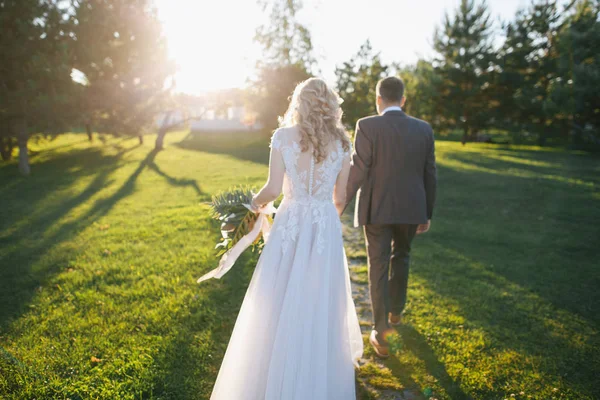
x,y
101,246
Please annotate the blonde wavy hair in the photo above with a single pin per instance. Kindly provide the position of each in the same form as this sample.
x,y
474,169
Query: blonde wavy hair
x,y
315,110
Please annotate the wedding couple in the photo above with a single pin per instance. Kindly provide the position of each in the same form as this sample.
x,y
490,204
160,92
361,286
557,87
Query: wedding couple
x,y
297,336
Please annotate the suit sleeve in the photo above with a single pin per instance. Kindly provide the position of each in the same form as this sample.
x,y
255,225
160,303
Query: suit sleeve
x,y
430,177
362,157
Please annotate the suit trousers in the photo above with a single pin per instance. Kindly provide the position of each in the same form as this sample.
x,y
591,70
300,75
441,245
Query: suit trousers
x,y
388,251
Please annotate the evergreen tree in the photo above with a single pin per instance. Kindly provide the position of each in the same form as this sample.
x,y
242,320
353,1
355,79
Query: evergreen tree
x,y
528,67
574,97
463,63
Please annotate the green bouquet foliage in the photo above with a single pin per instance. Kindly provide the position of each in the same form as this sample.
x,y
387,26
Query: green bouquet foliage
x,y
236,219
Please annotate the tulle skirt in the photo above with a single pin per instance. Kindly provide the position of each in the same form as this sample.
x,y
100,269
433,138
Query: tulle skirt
x,y
297,335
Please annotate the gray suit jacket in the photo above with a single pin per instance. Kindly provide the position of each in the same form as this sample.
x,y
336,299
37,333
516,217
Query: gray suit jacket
x,y
393,170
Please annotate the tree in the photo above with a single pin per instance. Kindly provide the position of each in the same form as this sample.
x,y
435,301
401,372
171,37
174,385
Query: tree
x,y
288,60
574,96
421,83
285,40
528,65
121,51
270,92
356,83
35,75
463,62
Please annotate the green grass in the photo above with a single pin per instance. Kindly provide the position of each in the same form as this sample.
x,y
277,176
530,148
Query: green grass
x,y
101,246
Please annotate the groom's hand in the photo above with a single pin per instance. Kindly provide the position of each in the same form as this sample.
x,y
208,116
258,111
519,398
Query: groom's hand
x,y
423,228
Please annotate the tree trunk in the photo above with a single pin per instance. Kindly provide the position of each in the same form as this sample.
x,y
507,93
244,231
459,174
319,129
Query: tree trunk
x,y
160,138
6,146
11,146
19,126
4,133
141,139
542,139
6,143
88,129
465,137
4,149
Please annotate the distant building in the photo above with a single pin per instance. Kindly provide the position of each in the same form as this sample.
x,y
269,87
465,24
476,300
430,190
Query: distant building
x,y
234,119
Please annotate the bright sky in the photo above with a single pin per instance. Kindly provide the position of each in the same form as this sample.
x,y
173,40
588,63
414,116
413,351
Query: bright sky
x,y
212,40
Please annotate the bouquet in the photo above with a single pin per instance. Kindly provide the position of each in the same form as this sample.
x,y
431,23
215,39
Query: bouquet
x,y
232,208
240,227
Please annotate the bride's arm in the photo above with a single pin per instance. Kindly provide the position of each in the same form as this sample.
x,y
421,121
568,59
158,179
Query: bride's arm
x,y
339,191
272,188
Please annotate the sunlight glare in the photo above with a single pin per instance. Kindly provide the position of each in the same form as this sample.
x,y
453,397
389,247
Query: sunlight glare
x,y
211,42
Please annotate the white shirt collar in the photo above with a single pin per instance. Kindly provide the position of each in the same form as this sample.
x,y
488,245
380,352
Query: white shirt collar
x,y
392,108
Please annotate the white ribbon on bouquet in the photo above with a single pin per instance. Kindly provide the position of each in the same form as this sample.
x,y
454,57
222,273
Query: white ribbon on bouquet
x,y
228,259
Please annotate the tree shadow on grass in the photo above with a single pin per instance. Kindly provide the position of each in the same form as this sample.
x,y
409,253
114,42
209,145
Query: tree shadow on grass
x,y
521,241
562,167
247,146
25,220
30,233
173,181
102,207
541,223
515,321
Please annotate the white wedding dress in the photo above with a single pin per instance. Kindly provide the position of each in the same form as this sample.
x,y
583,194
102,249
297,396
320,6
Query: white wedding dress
x,y
297,336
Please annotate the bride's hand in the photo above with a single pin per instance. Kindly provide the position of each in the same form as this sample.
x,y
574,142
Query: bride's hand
x,y
255,208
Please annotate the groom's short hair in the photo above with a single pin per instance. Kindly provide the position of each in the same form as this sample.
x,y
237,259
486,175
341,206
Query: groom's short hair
x,y
391,89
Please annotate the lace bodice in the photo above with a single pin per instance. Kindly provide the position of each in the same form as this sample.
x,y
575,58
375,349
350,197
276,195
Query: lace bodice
x,y
307,187
305,181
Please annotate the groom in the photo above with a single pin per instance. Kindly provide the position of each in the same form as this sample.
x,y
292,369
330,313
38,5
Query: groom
x,y
393,170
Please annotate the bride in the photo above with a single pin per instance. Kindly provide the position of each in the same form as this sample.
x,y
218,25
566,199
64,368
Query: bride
x,y
297,336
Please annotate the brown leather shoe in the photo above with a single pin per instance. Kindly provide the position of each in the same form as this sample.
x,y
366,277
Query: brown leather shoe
x,y
380,350
395,320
